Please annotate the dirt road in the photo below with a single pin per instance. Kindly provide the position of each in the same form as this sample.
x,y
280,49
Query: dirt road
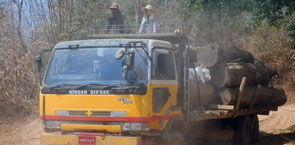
x,y
278,128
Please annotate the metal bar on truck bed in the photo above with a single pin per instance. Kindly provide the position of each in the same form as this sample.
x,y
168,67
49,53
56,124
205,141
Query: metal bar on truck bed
x,y
240,95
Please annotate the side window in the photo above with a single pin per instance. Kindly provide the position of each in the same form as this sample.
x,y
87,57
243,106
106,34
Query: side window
x,y
163,65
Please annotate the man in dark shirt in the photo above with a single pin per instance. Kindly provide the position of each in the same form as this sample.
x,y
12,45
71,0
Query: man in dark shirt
x,y
118,21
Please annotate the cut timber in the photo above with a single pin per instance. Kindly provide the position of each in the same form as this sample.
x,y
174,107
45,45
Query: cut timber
x,y
231,74
221,107
219,74
211,54
206,55
264,96
200,94
255,74
234,54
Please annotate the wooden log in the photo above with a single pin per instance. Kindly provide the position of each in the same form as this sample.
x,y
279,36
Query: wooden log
x,y
233,54
220,107
263,96
218,73
211,54
255,74
230,74
200,94
206,55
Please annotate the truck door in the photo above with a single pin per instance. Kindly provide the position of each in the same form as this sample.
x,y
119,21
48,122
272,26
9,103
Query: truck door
x,y
163,81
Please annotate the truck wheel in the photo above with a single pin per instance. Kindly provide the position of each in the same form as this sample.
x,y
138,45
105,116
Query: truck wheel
x,y
242,127
254,128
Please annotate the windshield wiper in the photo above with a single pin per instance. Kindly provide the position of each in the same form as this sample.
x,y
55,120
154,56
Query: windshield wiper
x,y
92,85
127,89
62,86
112,86
125,86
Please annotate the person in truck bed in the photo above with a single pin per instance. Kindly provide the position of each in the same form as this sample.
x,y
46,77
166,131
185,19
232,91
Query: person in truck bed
x,y
117,20
149,20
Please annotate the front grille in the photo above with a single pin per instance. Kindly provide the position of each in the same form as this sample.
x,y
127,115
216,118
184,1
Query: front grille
x,y
78,113
101,113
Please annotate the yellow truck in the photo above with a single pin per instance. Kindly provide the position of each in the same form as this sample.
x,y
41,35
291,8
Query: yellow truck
x,y
129,89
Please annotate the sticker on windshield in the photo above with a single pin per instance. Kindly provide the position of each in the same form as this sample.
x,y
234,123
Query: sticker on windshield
x,y
99,52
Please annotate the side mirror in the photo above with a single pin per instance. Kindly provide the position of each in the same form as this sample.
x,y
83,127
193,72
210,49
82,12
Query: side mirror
x,y
130,58
38,61
128,63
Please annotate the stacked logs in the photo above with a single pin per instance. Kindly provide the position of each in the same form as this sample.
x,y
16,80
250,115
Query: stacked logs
x,y
228,65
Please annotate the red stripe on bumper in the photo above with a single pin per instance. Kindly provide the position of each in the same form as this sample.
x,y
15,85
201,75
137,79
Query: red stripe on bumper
x,y
114,119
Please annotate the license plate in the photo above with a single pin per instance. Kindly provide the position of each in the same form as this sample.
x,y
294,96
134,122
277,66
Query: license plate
x,y
87,140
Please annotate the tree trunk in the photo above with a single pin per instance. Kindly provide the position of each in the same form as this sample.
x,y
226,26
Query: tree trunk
x,y
208,55
263,96
137,11
19,22
232,74
200,94
255,74
234,54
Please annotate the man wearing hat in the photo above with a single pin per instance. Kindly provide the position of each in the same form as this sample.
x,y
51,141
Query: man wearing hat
x,y
117,20
149,20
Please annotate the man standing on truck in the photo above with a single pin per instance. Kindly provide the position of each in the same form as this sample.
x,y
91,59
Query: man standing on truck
x,y
117,20
149,20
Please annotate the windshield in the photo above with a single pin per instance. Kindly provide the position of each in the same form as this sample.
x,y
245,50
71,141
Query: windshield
x,y
92,65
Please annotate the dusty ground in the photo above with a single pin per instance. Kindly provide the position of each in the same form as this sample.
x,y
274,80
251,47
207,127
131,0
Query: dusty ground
x,y
276,129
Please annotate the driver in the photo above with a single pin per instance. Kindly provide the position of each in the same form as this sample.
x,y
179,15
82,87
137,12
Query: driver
x,y
109,68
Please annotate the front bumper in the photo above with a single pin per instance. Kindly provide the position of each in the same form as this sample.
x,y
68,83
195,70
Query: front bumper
x,y
92,140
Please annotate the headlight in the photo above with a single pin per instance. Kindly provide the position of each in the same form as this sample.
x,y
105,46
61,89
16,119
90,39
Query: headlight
x,y
135,126
126,126
52,124
118,113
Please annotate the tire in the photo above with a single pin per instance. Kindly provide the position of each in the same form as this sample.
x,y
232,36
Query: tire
x,y
242,127
254,128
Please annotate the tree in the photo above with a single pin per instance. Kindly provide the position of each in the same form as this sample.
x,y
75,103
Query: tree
x,y
277,13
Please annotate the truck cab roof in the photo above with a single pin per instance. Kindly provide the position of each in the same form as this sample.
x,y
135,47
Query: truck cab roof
x,y
150,41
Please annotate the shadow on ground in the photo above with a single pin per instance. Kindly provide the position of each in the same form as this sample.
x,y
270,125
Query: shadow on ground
x,y
264,139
